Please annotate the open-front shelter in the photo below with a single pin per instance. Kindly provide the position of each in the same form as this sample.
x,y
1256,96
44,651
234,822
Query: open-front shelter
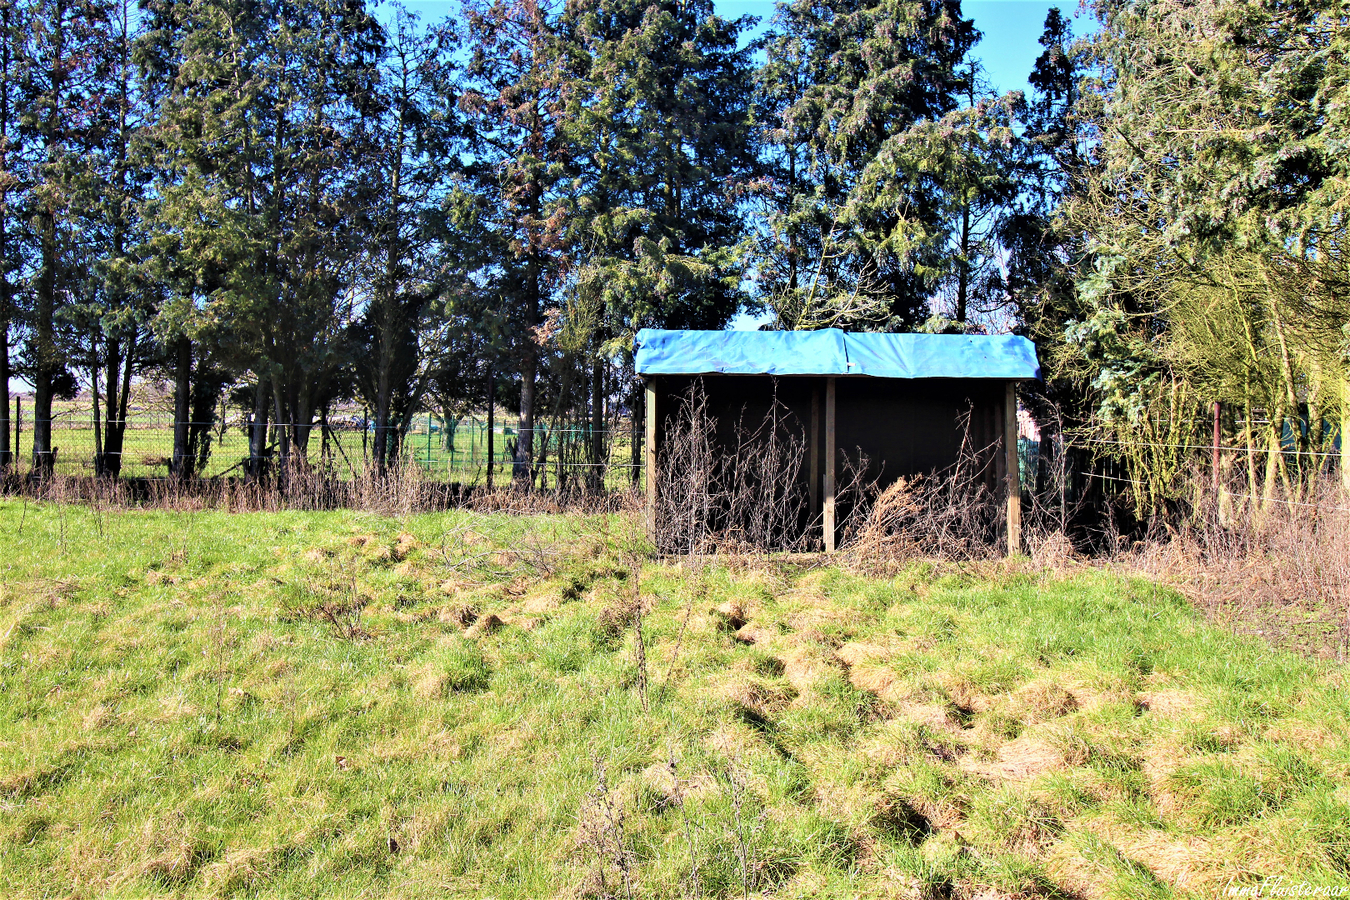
x,y
907,401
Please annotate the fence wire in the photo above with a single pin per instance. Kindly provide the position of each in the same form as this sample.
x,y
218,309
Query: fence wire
x,y
344,446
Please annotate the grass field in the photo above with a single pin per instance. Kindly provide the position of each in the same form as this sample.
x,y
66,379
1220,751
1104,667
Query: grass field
x,y
344,705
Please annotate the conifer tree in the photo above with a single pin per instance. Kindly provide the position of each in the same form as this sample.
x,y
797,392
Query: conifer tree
x,y
12,34
115,305
255,201
844,79
512,101
62,125
411,141
660,124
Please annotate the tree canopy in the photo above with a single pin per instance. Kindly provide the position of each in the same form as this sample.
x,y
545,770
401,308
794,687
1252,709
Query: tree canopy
x,y
297,203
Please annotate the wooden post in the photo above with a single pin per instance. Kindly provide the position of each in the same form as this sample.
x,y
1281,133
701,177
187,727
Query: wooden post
x,y
1345,437
649,451
1215,461
492,412
1013,484
830,409
814,443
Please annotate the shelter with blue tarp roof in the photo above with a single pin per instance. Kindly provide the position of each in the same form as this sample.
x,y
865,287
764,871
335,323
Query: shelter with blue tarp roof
x,y
906,403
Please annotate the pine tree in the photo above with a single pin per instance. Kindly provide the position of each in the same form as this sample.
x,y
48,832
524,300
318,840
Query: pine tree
x,y
115,305
844,79
12,17
412,145
62,124
258,205
512,102
658,115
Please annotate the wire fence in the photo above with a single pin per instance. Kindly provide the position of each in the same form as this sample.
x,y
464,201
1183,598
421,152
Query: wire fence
x,y
465,450
1292,470
475,449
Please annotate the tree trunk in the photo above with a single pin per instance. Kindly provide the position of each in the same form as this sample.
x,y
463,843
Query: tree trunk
x,y
98,430
597,424
635,412
115,422
492,406
281,418
6,290
302,415
1345,435
382,435
44,347
108,459
181,465
257,439
4,381
963,269
521,471
45,362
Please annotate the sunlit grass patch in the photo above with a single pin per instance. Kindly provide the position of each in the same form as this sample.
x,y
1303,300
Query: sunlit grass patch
x,y
200,704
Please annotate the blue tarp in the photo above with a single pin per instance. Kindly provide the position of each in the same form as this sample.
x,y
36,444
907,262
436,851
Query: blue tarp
x,y
834,352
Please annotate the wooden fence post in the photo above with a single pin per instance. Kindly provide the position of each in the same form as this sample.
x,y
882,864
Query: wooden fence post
x,y
1345,437
649,451
1013,485
830,453
814,443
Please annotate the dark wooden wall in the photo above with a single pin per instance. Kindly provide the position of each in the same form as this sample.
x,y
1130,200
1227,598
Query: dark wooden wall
x,y
903,427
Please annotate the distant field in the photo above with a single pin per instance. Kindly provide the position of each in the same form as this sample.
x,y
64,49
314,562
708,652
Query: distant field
x,y
459,705
149,446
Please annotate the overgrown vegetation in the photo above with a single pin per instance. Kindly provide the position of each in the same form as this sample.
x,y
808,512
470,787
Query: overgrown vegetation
x,y
291,703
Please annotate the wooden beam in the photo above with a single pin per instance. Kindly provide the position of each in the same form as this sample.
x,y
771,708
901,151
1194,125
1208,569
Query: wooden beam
x,y
1013,478
813,440
830,455
649,453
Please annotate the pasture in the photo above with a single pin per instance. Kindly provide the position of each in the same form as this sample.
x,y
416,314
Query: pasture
x,y
198,704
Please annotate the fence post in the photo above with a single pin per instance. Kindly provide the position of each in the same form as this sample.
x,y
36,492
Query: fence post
x,y
492,411
830,462
1214,450
1345,436
1013,488
814,440
649,449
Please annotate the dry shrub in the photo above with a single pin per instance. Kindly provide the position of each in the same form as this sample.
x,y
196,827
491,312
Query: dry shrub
x,y
949,514
1279,565
399,490
746,496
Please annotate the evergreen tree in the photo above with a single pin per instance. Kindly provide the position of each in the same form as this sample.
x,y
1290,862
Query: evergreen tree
x,y
411,140
63,124
113,310
256,206
12,54
502,211
844,80
1215,223
1043,249
659,121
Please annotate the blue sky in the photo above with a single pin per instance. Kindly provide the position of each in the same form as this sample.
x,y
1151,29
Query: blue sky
x,y
1010,27
1008,48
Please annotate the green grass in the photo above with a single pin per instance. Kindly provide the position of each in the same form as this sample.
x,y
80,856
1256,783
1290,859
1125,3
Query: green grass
x,y
291,705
